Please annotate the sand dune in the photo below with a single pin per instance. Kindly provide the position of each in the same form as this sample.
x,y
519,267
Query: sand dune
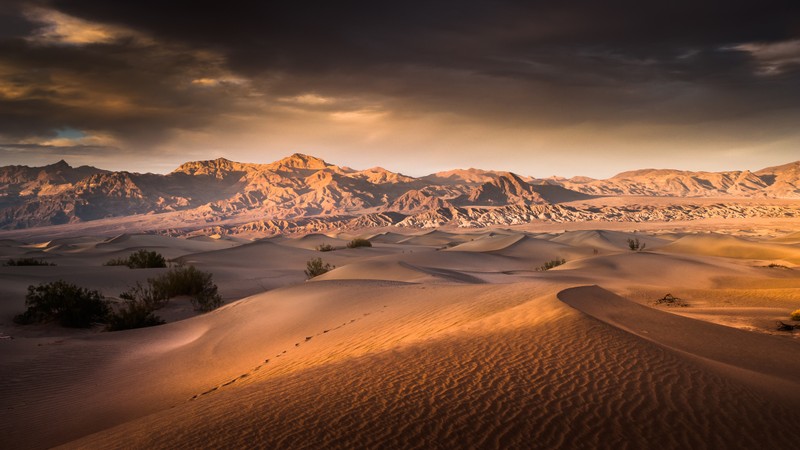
x,y
733,247
166,245
537,251
766,363
379,270
386,237
312,241
790,238
434,238
488,243
406,344
604,240
504,380
647,268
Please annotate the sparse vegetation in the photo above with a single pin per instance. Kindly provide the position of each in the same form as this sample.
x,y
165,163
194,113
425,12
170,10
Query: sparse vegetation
x,y
189,281
317,267
148,295
140,259
550,264
777,266
635,245
324,248
70,305
671,300
795,315
137,312
141,301
359,242
27,262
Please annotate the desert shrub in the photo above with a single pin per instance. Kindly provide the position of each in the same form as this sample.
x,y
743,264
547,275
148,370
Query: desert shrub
x,y
27,262
317,267
635,245
148,295
189,281
671,300
140,259
795,315
143,259
358,242
777,266
550,264
325,248
133,314
116,262
70,305
137,311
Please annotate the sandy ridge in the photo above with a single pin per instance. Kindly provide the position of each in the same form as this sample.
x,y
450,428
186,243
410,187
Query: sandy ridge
x,y
766,362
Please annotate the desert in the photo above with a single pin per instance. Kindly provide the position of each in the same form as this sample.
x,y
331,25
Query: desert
x,y
451,224
443,337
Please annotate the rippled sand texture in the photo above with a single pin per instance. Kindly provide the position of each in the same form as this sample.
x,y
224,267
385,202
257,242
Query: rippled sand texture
x,y
437,340
569,381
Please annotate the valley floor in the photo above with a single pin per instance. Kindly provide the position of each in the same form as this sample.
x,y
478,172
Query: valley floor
x,y
435,339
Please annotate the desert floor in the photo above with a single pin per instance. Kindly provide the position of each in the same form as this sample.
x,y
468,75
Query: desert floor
x,y
429,339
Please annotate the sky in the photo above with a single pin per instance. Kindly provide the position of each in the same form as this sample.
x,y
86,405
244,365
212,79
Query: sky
x,y
540,88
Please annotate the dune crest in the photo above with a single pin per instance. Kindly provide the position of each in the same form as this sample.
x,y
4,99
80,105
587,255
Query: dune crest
x,y
438,336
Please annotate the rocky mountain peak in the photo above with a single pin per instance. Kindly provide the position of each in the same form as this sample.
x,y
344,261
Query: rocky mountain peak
x,y
304,188
215,167
299,161
60,165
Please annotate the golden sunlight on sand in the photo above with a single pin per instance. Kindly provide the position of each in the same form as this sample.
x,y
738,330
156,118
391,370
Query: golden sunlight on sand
x,y
428,340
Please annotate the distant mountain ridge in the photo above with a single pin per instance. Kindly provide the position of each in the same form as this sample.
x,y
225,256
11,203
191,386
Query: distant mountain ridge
x,y
305,189
775,182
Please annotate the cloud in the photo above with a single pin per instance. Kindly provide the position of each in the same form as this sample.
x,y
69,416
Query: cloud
x,y
214,82
487,76
773,58
308,99
113,83
56,28
80,139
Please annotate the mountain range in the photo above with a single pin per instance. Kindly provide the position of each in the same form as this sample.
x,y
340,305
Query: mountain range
x,y
305,193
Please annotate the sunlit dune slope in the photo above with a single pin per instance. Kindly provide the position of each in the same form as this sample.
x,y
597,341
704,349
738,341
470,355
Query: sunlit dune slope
x,y
733,247
419,346
526,371
605,240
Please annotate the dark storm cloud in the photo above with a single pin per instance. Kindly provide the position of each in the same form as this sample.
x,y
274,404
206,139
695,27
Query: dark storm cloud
x,y
165,67
586,48
140,91
332,35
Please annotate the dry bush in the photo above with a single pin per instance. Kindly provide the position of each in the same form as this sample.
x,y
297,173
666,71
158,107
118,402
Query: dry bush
x,y
140,259
317,267
358,242
71,305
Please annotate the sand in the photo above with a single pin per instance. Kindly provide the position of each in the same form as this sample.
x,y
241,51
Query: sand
x,y
439,339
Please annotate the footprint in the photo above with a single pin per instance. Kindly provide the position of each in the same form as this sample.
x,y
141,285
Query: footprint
x,y
210,391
